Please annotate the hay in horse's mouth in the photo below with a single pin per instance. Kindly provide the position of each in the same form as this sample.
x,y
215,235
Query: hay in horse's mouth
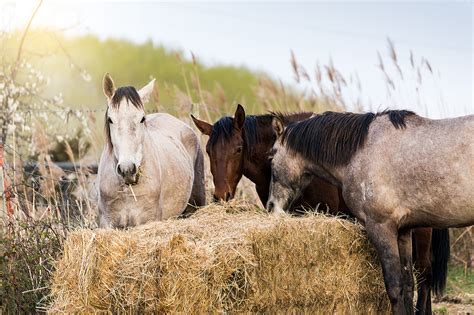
x,y
132,181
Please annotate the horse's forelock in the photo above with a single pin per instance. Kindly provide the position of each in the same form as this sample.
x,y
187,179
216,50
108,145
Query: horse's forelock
x,y
221,128
224,128
132,96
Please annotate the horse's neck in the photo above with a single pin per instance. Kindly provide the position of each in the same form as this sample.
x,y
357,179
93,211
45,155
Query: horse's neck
x,y
291,118
150,153
257,166
257,171
332,174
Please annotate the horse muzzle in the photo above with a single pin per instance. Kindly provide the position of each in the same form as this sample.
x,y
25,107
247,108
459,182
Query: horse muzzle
x,y
274,207
224,197
129,173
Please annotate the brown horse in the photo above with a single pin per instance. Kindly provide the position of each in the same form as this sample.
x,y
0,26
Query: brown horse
x,y
241,146
398,171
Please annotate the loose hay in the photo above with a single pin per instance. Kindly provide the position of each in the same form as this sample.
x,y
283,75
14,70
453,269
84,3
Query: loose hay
x,y
225,258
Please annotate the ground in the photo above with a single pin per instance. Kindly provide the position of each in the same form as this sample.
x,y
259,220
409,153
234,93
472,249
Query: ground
x,y
459,297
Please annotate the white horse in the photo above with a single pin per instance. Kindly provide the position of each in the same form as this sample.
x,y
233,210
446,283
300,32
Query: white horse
x,y
152,166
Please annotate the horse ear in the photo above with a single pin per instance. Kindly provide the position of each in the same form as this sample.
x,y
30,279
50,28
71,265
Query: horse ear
x,y
239,117
203,126
278,126
145,92
108,86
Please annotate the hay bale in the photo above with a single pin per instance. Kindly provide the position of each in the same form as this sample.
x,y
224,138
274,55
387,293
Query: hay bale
x,y
224,258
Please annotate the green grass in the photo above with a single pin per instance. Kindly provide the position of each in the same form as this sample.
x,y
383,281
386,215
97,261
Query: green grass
x,y
440,310
459,280
62,59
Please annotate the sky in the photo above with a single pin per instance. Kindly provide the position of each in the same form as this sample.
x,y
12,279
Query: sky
x,y
262,35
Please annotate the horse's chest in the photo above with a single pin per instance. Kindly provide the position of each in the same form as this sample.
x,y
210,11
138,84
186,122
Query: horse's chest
x,y
133,206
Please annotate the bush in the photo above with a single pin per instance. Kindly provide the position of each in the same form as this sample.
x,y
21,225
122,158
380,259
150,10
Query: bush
x,y
28,249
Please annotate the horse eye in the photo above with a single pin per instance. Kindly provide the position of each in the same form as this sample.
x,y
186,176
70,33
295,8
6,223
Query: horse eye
x,y
239,149
109,120
143,120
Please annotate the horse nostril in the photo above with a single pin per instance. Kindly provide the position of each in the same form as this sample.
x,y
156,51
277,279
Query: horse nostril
x,y
119,170
125,169
214,197
227,196
270,206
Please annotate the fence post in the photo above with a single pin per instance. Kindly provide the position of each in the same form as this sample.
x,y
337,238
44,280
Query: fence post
x,y
4,187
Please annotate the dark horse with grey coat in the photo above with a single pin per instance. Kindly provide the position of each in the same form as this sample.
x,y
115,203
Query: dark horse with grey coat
x,y
397,171
240,146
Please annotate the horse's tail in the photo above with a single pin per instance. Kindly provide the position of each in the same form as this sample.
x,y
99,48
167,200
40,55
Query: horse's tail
x,y
441,251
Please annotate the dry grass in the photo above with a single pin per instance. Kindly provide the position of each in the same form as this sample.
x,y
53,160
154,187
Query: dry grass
x,y
231,257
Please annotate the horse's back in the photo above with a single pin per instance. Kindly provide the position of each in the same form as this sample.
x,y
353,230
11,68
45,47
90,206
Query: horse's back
x,y
425,166
168,125
441,146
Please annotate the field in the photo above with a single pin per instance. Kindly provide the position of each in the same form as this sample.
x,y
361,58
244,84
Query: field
x,y
41,95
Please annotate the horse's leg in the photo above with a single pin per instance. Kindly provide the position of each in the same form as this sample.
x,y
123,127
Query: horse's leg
x,y
199,186
342,204
262,192
103,221
384,237
406,262
428,303
198,192
422,238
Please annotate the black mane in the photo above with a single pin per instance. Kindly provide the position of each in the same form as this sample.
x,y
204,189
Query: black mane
x,y
332,138
288,118
252,135
224,128
132,96
130,93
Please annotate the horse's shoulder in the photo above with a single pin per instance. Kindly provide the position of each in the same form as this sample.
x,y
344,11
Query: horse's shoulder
x,y
168,123
163,118
174,130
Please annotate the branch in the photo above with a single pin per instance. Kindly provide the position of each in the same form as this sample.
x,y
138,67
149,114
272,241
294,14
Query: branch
x,y
22,41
